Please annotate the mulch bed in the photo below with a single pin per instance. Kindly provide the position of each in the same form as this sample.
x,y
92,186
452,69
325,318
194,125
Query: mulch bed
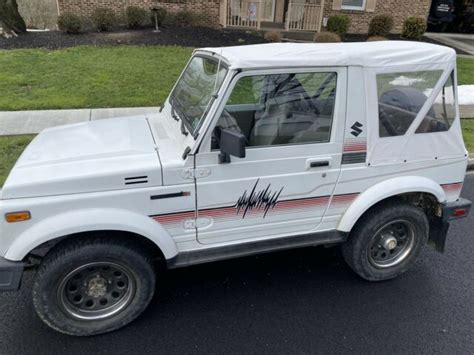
x,y
179,36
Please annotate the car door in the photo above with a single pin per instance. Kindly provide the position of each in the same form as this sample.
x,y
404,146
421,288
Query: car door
x,y
293,121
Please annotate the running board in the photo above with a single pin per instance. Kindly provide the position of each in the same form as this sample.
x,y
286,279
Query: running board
x,y
253,248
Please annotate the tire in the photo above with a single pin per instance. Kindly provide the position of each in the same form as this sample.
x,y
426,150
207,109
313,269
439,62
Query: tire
x,y
93,286
371,250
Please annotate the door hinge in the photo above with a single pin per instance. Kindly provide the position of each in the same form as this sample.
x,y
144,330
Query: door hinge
x,y
200,222
196,173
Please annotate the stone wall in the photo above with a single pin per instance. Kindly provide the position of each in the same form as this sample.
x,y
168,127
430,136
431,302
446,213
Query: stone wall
x,y
206,11
399,9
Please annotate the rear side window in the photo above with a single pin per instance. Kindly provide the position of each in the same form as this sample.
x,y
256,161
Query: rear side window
x,y
441,115
401,96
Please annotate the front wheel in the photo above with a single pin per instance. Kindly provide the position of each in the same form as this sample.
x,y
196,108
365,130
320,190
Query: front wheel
x,y
386,241
93,286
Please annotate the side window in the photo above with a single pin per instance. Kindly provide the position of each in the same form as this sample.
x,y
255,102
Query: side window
x,y
401,96
442,113
280,109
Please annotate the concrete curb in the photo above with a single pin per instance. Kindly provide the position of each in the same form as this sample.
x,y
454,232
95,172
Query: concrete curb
x,y
32,122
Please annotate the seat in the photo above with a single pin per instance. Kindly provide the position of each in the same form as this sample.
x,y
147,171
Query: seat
x,y
288,111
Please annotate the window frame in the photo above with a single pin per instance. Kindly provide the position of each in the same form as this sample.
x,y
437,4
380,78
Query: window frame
x,y
340,81
356,8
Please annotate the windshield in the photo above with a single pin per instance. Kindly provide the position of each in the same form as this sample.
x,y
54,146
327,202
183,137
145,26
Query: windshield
x,y
194,91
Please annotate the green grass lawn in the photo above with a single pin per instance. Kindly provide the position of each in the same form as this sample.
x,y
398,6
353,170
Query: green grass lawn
x,y
88,77
468,134
93,77
465,71
11,148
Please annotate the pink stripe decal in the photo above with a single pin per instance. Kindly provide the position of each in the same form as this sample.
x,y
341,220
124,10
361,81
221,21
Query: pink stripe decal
x,y
355,145
281,207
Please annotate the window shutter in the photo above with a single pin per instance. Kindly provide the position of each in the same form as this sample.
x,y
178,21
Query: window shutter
x,y
336,4
370,5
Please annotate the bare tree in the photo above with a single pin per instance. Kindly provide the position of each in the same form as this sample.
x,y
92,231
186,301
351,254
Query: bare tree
x,y
10,18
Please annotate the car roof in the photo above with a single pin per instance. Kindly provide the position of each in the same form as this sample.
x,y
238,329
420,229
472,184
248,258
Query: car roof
x,y
366,54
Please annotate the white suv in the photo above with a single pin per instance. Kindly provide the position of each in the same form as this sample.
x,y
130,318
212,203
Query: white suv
x,y
258,148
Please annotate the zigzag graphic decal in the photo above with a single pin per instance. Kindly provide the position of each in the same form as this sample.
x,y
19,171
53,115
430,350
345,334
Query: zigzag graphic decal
x,y
265,199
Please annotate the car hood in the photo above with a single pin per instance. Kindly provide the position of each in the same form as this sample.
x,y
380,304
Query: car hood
x,y
101,155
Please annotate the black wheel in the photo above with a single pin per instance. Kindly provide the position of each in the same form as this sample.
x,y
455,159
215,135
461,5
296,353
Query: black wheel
x,y
386,241
93,286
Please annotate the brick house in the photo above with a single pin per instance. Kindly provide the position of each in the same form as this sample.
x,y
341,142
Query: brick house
x,y
289,15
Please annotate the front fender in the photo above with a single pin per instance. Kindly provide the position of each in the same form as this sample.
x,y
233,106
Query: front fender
x,y
88,220
386,189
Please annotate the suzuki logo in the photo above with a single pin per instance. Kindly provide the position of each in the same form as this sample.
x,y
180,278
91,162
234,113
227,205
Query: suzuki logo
x,y
356,129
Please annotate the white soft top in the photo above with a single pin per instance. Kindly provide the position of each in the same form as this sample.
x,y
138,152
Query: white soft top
x,y
366,54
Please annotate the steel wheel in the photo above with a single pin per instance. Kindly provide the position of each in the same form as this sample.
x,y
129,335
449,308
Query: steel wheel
x,y
96,290
392,243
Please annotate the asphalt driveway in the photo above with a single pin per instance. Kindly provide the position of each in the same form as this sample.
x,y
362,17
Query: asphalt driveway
x,y
301,301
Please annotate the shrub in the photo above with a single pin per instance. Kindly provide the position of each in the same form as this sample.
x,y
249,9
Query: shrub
x,y
327,37
69,23
376,38
103,18
339,24
185,18
414,28
273,36
160,15
380,25
135,16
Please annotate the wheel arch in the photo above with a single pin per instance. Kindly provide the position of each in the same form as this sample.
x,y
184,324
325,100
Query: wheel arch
x,y
87,221
385,190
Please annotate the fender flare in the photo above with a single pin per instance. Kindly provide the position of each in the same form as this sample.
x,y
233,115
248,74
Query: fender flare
x,y
89,220
386,189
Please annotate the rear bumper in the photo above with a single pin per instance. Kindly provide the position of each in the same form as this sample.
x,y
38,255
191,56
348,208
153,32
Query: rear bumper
x,y
10,274
455,210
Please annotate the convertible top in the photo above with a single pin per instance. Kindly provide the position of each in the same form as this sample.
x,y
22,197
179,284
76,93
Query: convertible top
x,y
365,54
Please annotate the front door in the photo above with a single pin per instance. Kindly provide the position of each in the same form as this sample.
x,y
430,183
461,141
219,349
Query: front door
x,y
268,10
293,122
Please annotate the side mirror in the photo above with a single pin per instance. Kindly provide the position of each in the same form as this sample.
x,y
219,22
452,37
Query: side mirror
x,y
232,143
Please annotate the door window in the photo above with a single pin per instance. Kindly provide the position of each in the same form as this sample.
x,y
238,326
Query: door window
x,y
280,109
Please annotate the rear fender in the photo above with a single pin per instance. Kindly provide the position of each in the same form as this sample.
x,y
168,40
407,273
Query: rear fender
x,y
384,190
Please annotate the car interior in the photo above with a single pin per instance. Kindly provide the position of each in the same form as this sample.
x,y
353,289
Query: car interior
x,y
285,111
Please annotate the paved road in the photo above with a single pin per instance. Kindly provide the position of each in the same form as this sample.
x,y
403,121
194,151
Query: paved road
x,y
298,301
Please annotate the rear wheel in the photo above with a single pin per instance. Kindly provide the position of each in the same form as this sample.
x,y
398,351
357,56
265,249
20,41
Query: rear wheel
x,y
93,286
386,241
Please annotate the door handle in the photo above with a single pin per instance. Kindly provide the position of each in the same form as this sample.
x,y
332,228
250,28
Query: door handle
x,y
318,164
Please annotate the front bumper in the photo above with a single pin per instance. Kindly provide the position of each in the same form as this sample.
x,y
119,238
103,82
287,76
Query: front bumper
x,y
10,274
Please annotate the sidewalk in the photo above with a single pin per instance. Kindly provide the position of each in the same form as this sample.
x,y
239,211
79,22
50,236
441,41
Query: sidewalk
x,y
464,42
32,122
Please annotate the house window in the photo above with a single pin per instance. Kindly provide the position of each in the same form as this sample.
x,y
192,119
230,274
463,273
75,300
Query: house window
x,y
353,4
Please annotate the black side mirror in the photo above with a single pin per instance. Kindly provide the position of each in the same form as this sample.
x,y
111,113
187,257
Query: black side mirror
x,y
232,143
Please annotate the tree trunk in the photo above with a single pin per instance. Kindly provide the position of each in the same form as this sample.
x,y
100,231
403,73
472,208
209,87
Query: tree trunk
x,y
10,18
